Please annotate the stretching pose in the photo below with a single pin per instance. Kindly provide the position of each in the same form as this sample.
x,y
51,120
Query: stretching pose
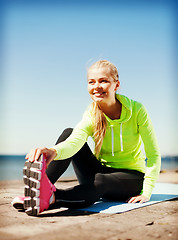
x,y
116,170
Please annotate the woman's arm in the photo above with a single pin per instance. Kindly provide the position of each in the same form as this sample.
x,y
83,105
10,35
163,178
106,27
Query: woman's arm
x,y
76,140
146,130
67,148
72,144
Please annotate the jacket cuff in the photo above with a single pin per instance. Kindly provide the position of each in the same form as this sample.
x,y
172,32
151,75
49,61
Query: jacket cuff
x,y
57,152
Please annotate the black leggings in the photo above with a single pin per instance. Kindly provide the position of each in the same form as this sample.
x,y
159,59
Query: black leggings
x,y
95,180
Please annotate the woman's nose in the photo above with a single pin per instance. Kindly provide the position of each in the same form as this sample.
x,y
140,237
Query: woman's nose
x,y
97,86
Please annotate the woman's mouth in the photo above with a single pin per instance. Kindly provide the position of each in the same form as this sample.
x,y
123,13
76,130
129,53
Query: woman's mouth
x,y
98,94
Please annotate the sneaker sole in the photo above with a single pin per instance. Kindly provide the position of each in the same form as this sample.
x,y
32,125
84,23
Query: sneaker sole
x,y
32,176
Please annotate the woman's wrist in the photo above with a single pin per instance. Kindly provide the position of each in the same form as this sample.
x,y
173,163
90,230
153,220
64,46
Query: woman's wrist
x,y
55,152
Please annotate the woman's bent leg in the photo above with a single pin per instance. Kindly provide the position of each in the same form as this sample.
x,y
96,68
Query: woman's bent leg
x,y
84,162
118,186
86,165
123,184
95,180
57,167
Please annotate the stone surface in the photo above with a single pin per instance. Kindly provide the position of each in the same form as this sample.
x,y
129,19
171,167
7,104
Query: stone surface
x,y
159,221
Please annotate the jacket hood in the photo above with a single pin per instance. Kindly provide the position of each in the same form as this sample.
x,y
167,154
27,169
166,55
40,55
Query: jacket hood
x,y
126,110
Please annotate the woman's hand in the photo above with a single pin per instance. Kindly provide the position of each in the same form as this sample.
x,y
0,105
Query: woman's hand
x,y
139,199
34,154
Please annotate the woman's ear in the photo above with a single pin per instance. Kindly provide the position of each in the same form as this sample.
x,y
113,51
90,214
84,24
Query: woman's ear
x,y
117,85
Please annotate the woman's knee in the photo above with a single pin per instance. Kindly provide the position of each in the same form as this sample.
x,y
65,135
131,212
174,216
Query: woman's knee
x,y
65,134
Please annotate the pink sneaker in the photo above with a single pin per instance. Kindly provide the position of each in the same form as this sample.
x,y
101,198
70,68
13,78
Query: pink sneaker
x,y
38,187
18,202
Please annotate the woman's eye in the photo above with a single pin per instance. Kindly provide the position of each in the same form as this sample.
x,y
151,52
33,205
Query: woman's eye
x,y
90,82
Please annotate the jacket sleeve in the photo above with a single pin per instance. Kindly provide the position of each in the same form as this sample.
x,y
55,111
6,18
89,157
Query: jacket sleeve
x,y
149,139
76,140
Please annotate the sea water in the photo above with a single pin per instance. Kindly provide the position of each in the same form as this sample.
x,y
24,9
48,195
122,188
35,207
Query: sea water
x,y
11,167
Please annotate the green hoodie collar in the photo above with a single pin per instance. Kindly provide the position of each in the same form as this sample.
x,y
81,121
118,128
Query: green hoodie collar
x,y
126,111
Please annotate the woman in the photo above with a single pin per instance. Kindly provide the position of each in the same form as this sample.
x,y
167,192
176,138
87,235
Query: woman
x,y
116,170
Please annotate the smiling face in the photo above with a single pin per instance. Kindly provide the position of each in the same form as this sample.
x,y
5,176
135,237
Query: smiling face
x,y
101,85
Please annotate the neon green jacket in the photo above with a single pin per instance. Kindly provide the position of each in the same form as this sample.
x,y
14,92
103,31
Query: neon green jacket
x,y
121,146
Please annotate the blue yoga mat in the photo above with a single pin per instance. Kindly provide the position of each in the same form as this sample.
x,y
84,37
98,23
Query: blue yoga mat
x,y
161,192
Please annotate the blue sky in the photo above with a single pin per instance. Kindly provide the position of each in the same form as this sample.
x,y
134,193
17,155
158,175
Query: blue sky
x,y
46,48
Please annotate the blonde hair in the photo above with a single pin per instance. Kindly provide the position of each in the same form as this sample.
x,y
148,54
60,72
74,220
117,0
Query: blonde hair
x,y
100,119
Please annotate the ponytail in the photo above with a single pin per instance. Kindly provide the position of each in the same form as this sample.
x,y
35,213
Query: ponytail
x,y
99,127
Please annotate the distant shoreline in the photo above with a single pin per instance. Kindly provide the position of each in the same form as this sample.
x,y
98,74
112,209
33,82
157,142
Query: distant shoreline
x,y
11,167
23,155
167,176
